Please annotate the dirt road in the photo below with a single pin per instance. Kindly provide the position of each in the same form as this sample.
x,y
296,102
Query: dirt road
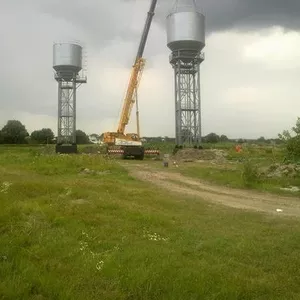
x,y
242,199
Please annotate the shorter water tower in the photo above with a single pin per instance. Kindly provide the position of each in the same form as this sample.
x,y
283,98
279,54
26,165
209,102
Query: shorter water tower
x,y
68,66
186,39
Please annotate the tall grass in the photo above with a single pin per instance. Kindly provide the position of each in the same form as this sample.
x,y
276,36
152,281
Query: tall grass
x,y
250,174
67,234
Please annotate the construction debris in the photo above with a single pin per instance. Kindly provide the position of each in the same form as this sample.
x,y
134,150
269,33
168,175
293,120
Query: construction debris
x,y
279,170
293,189
191,155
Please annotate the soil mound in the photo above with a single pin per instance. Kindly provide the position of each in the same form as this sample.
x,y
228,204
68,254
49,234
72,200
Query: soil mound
x,y
279,170
191,154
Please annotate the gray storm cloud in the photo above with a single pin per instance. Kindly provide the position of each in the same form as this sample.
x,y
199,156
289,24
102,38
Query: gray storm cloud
x,y
220,14
111,31
251,14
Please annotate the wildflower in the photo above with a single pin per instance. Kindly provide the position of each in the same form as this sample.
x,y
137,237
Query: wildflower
x,y
5,186
85,234
154,236
83,245
99,265
68,191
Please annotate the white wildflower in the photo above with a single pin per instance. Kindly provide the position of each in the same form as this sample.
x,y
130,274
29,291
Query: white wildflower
x,y
83,246
154,236
99,265
85,234
5,187
68,191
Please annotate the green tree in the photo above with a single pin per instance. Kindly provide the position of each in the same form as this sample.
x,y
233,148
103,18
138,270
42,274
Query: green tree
x,y
14,132
261,140
224,138
82,138
212,138
285,136
43,136
292,142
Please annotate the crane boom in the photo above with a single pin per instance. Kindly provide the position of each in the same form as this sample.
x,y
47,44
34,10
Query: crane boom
x,y
131,93
136,73
146,31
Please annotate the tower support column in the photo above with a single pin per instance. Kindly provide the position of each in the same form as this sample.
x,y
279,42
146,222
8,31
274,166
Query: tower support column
x,y
186,65
66,129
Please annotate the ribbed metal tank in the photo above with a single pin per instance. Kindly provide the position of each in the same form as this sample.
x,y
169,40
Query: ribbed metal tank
x,y
67,59
185,27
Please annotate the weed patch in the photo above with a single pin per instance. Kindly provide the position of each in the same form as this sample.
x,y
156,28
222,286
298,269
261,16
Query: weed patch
x,y
66,235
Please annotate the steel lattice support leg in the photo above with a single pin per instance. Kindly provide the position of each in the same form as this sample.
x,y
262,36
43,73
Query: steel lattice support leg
x,y
187,97
66,113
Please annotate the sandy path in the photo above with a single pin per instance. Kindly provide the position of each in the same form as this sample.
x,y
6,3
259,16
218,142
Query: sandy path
x,y
242,199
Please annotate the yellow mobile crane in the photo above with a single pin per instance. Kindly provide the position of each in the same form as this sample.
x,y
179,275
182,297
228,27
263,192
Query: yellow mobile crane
x,y
130,142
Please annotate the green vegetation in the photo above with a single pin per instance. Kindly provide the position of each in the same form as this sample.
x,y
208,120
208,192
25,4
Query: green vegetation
x,y
245,169
43,136
82,138
292,142
80,227
66,233
15,133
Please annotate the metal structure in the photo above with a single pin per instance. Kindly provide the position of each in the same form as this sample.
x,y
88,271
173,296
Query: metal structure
x,y
132,140
67,63
186,39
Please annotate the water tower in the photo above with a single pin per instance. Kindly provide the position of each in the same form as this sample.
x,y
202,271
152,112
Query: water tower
x,y
186,39
68,66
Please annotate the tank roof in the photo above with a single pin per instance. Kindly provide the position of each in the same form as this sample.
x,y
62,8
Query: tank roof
x,y
185,6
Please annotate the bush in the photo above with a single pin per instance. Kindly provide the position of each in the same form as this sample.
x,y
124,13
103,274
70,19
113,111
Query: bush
x,y
292,143
250,174
293,148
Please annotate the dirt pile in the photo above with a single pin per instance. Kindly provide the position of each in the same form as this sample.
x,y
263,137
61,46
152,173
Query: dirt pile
x,y
191,155
279,170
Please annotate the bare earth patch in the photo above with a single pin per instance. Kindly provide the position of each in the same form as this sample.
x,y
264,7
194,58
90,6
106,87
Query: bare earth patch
x,y
79,201
242,199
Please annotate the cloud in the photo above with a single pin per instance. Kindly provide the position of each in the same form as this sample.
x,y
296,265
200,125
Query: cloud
x,y
277,49
249,80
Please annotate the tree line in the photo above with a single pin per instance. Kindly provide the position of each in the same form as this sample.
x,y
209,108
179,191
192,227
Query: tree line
x,y
213,138
14,132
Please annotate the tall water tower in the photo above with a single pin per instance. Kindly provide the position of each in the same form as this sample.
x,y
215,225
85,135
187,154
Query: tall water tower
x,y
68,66
186,39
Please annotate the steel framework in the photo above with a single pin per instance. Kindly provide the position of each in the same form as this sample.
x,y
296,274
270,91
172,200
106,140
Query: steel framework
x,y
186,65
66,129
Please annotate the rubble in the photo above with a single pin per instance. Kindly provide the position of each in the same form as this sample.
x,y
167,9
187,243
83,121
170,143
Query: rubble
x,y
191,155
280,170
293,189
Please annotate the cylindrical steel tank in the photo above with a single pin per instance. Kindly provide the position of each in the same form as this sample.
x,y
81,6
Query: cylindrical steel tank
x,y
186,27
67,59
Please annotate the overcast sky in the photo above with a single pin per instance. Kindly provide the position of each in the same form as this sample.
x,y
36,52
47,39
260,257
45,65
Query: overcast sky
x,y
250,78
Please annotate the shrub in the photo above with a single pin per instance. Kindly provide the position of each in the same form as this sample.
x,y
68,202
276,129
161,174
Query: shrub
x,y
250,174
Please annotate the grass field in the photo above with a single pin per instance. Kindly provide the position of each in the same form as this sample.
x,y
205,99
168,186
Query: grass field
x,y
69,234
230,173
